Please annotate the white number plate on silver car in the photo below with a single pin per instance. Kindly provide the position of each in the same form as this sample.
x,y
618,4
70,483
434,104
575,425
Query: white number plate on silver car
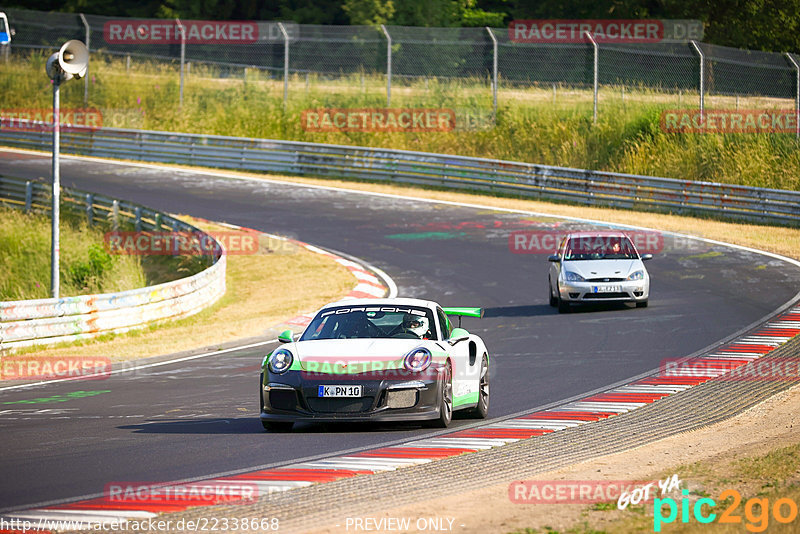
x,y
606,289
339,391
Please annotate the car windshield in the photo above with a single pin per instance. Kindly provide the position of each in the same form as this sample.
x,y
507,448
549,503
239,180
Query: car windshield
x,y
600,248
363,322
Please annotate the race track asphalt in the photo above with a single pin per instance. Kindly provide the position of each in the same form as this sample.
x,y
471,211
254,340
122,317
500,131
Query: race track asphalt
x,y
196,418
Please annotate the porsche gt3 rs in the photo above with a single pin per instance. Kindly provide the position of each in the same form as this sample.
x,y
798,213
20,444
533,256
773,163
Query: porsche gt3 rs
x,y
376,360
597,266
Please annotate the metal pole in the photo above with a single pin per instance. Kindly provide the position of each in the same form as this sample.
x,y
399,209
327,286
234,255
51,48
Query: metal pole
x,y
797,95
596,72
388,66
702,78
54,242
285,64
494,70
183,54
88,47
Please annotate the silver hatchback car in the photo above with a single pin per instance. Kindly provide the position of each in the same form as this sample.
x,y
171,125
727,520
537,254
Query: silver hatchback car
x,y
597,266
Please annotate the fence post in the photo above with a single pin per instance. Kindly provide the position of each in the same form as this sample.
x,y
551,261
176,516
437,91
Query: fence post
x,y
596,61
90,208
388,66
702,78
797,95
285,63
115,215
183,53
494,70
28,195
88,47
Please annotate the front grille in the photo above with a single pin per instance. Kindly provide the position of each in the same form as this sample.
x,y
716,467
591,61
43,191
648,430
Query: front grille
x,y
340,404
600,296
605,279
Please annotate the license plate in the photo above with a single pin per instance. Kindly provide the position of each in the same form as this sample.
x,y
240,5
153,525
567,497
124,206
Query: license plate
x,y
606,289
339,391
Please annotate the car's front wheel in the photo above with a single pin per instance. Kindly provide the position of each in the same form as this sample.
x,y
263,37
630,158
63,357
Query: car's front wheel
x,y
641,304
445,399
553,298
482,409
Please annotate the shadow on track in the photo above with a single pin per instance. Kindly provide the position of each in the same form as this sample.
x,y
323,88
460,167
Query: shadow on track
x,y
536,310
252,425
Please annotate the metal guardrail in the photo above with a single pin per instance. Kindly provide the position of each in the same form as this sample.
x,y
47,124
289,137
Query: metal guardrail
x,y
25,323
592,188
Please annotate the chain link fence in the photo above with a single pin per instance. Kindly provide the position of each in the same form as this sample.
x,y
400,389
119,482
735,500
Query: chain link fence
x,y
486,60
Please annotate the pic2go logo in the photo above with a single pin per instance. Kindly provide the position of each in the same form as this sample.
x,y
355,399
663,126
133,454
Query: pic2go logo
x,y
756,511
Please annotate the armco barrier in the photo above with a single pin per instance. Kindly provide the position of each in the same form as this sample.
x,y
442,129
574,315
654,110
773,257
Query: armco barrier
x,y
25,323
594,188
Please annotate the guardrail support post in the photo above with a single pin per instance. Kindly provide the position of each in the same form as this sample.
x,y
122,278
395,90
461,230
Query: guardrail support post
x,y
88,30
596,72
494,70
115,215
388,66
90,209
28,195
183,54
797,94
285,63
702,78
157,222
137,221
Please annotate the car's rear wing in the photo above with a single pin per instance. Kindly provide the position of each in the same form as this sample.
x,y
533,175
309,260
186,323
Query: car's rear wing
x,y
464,312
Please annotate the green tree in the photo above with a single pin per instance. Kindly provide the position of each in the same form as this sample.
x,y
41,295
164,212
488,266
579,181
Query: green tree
x,y
369,12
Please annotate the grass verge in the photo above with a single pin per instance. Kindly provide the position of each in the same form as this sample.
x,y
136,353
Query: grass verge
x,y
85,267
533,124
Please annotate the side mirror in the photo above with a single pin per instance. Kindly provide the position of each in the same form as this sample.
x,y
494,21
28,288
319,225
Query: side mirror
x,y
646,257
285,336
458,334
554,258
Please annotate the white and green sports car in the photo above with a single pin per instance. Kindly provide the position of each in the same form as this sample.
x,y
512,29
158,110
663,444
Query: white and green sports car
x,y
394,359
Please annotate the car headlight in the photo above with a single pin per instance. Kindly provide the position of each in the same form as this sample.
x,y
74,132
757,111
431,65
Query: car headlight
x,y
280,361
569,276
636,275
418,359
